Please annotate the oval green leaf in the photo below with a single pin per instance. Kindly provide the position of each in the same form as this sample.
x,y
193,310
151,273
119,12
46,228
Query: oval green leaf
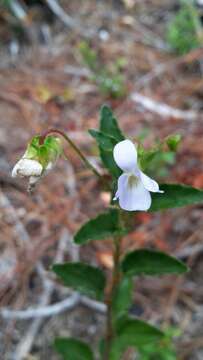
x,y
149,262
176,195
73,349
81,277
133,333
109,125
106,144
107,137
103,226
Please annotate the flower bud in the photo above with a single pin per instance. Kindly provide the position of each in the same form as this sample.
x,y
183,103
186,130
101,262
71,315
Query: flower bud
x,y
26,168
173,141
38,159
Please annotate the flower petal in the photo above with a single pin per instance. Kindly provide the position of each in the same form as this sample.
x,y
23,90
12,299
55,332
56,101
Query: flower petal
x,y
149,184
125,155
26,168
132,196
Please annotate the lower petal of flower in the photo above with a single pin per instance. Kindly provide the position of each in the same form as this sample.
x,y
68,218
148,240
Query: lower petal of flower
x,y
132,195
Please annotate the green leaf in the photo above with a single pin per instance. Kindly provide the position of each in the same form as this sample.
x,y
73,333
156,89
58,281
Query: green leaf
x,y
176,195
109,125
108,136
73,349
122,298
163,350
84,278
109,163
103,226
150,262
106,144
133,333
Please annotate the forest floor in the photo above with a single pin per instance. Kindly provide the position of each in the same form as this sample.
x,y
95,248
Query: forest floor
x,y
46,85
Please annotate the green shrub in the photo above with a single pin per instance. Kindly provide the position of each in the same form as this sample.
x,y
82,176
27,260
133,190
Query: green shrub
x,y
109,79
184,32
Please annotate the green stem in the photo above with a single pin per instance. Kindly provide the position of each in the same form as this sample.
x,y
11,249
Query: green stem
x,y
74,147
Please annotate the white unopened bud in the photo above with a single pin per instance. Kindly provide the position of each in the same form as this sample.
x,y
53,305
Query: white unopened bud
x,y
38,159
26,168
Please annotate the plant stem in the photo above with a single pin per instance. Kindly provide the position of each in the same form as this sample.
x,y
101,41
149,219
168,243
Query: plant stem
x,y
74,147
115,280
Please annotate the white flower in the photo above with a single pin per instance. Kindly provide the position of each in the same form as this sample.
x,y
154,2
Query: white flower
x,y
133,185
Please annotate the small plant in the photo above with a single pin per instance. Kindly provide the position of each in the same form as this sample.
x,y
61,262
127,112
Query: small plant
x,y
160,157
184,31
132,190
109,79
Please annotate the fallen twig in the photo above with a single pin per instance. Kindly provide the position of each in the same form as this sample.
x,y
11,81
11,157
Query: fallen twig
x,y
42,311
18,10
68,21
60,13
162,109
51,310
95,305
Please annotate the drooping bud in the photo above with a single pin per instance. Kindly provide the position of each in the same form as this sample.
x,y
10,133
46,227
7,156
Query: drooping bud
x,y
173,141
27,167
38,159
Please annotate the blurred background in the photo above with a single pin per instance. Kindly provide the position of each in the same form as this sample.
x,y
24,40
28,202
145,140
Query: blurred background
x,y
59,62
